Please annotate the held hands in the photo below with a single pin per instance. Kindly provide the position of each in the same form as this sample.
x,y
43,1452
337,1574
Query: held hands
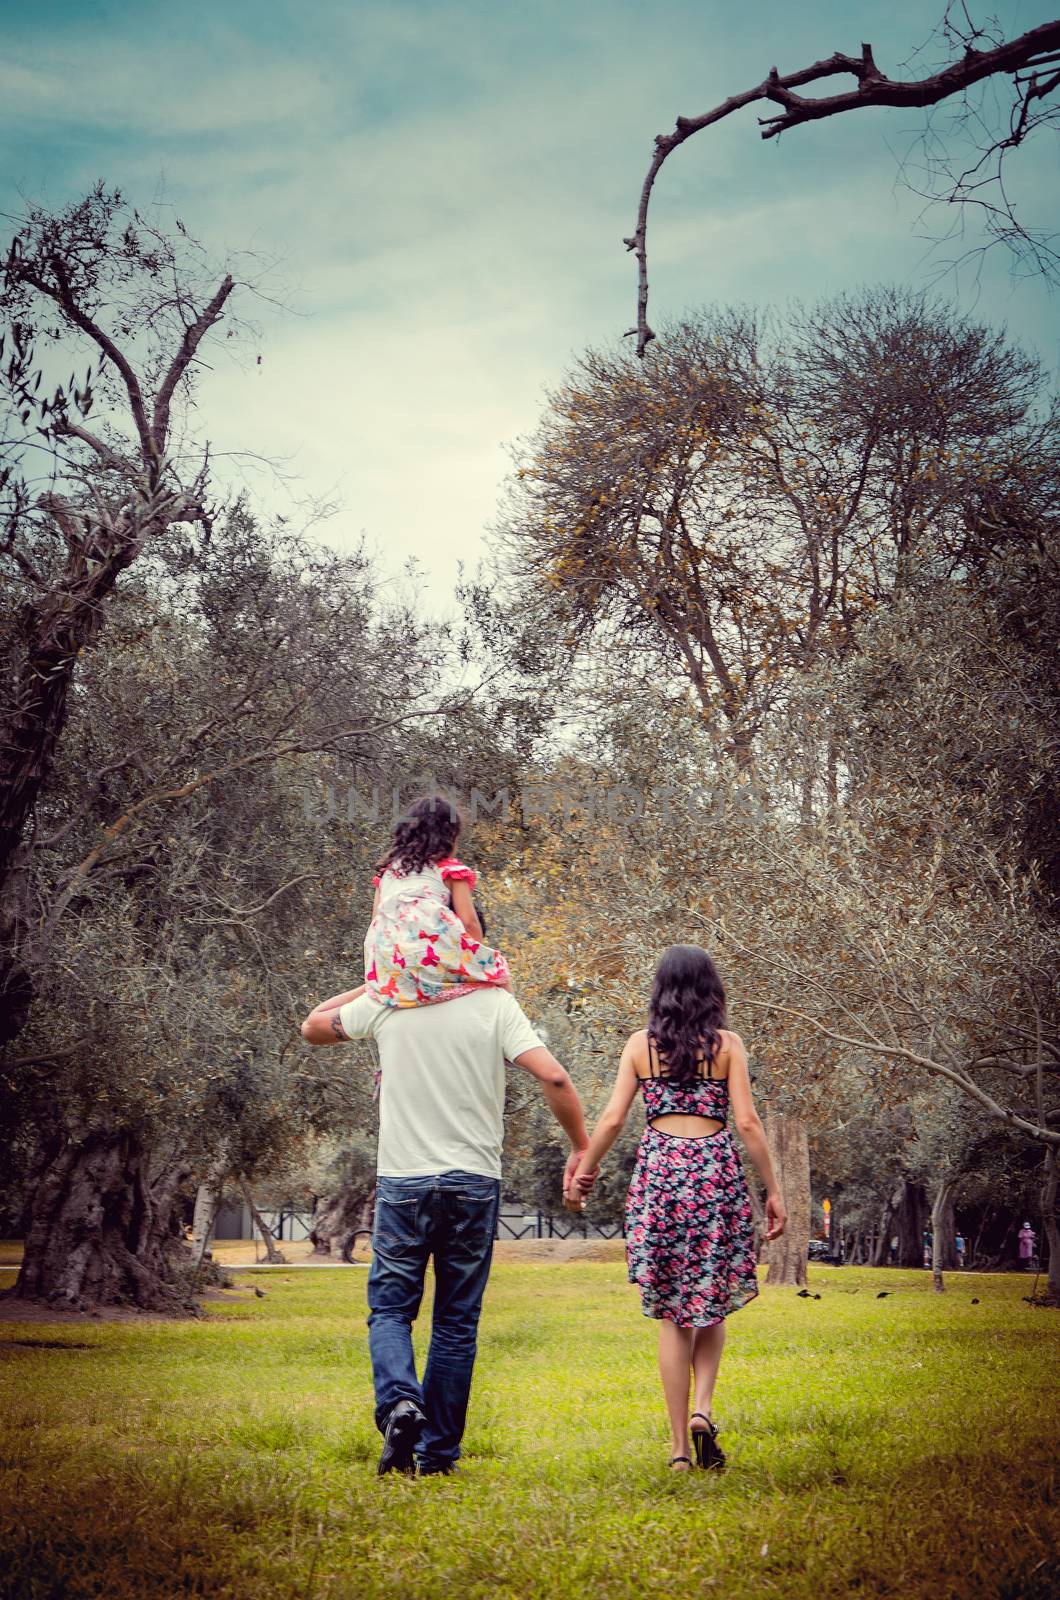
x,y
574,1195
776,1215
577,1186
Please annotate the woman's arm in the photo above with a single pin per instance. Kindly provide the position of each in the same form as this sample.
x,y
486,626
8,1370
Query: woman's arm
x,y
464,906
609,1126
749,1127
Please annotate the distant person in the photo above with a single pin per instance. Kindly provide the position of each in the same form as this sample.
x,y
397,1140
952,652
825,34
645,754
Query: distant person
x,y
959,1247
441,1127
928,1246
894,1248
1027,1239
689,1231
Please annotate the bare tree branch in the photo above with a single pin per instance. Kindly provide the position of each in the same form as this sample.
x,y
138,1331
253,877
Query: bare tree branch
x,y
63,295
193,337
239,913
1037,47
73,430
1039,1132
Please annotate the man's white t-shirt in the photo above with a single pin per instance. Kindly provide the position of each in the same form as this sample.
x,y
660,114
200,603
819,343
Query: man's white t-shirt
x,y
441,1103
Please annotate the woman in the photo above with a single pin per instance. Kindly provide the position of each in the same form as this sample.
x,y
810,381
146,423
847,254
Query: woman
x,y
689,1230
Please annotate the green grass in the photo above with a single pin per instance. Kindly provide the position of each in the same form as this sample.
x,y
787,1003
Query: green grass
x,y
905,1446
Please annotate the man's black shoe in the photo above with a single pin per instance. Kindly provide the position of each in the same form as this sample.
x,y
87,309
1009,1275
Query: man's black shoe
x,y
400,1438
444,1469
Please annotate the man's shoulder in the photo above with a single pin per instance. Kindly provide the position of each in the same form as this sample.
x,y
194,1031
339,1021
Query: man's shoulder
x,y
491,1008
503,999
489,1002
361,1018
507,1007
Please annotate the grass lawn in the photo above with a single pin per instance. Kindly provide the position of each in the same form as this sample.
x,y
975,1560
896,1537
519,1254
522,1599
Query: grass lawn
x,y
905,1446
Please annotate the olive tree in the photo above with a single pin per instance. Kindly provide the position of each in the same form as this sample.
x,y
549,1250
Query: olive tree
x,y
187,904
105,320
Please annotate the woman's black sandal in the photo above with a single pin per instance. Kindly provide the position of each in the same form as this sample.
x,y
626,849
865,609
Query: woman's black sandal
x,y
675,1459
709,1453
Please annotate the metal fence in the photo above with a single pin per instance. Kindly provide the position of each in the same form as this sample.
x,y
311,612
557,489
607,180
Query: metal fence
x,y
290,1225
540,1226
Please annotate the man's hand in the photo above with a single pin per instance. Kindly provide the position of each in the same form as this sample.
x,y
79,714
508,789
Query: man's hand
x,y
574,1161
575,1188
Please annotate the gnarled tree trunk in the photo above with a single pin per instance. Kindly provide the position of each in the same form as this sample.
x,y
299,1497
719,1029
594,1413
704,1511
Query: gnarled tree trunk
x,y
272,1254
906,1215
103,1229
943,1233
881,1255
339,1217
207,1205
789,1148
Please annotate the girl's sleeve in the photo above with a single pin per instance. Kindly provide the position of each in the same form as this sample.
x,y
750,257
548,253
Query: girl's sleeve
x,y
452,868
377,880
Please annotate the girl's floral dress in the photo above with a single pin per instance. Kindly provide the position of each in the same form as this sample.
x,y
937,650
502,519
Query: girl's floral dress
x,y
690,1240
416,950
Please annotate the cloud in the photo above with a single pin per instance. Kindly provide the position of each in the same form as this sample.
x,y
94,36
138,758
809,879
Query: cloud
x,y
447,188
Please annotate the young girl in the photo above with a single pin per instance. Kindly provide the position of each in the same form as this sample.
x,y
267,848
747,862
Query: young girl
x,y
424,943
689,1233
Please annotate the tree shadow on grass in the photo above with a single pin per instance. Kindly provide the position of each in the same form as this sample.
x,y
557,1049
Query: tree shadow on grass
x,y
136,1528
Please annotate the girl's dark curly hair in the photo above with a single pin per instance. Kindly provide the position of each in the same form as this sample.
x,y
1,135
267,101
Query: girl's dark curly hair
x,y
426,833
686,1011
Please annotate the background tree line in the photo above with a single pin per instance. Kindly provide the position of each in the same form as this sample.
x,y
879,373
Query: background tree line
x,y
790,582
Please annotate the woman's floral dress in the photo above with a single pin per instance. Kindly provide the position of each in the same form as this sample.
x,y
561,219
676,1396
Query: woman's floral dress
x,y
416,950
690,1240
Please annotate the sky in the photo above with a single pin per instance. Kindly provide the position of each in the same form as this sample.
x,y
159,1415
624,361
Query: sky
x,y
442,191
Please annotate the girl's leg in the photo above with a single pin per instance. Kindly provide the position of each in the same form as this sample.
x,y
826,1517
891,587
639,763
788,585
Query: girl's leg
x,y
675,1361
337,1001
706,1358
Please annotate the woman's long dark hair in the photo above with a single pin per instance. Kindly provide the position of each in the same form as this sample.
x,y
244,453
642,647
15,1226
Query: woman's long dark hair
x,y
426,833
687,1011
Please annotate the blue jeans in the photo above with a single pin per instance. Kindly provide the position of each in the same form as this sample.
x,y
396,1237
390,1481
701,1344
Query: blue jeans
x,y
452,1217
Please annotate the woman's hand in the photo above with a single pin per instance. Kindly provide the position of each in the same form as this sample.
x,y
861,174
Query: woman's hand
x,y
577,1186
776,1214
574,1161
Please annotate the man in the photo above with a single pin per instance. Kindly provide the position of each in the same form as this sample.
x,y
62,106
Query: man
x,y
441,1129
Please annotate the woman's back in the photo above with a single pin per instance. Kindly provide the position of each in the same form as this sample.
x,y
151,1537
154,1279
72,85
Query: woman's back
x,y
689,1106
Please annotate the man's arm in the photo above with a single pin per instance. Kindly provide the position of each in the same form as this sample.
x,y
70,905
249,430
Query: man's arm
x,y
322,1026
562,1097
